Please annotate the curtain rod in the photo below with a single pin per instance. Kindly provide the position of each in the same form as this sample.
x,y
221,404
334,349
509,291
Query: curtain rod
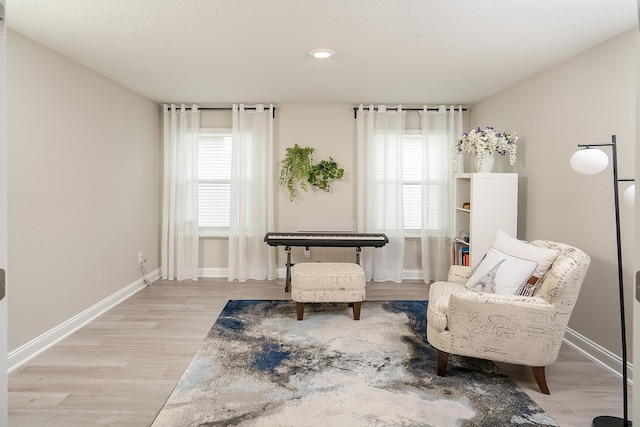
x,y
355,109
273,111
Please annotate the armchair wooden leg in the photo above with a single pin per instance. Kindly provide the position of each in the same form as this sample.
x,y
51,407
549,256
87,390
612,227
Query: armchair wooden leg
x,y
356,310
538,374
300,310
443,357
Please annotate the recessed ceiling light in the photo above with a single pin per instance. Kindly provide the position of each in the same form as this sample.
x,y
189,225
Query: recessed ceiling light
x,y
322,53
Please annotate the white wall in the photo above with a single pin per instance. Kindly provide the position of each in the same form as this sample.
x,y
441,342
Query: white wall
x,y
585,99
83,187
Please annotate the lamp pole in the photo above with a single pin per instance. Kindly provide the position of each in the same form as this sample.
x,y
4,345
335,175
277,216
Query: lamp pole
x,y
608,421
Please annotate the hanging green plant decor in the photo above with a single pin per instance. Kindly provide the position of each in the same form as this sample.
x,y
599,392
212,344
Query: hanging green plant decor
x,y
298,170
295,169
323,172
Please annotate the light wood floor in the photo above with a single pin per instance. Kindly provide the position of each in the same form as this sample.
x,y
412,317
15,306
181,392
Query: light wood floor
x,y
119,369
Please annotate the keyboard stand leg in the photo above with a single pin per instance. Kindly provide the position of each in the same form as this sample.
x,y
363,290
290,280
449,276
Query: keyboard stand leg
x,y
287,280
358,250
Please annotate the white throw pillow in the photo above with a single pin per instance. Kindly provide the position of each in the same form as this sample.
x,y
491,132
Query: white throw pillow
x,y
501,273
542,256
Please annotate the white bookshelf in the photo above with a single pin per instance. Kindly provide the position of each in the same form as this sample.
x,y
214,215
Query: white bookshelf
x,y
493,199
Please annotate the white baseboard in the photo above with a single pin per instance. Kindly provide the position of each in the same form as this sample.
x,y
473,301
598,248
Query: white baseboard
x,y
598,354
28,351
411,274
213,272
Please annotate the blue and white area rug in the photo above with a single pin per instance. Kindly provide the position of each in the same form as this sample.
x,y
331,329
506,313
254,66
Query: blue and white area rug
x,y
259,366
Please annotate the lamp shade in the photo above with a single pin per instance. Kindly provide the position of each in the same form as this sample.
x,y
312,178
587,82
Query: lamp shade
x,y
629,195
589,161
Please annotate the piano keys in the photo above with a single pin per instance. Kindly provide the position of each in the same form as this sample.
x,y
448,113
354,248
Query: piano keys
x,y
319,239
323,239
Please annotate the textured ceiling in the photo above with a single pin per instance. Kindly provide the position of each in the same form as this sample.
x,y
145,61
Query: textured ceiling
x,y
387,51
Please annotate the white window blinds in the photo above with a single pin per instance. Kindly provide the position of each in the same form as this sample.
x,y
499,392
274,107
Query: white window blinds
x,y
420,163
214,181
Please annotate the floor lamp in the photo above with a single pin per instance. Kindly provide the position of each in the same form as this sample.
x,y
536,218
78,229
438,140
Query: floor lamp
x,y
590,161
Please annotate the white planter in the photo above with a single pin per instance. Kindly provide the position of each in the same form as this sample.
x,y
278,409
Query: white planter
x,y
487,163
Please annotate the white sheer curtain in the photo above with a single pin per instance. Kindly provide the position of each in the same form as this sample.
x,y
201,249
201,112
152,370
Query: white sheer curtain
x,y
380,134
180,237
252,211
440,129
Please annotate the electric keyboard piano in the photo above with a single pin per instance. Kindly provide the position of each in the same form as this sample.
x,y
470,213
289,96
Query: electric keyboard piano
x,y
320,239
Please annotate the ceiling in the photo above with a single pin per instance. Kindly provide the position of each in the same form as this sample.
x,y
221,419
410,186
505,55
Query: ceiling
x,y
387,51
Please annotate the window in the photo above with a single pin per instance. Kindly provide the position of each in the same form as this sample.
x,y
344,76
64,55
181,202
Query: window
x,y
432,172
412,177
214,181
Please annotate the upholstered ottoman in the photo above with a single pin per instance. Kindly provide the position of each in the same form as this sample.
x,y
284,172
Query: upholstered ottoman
x,y
327,282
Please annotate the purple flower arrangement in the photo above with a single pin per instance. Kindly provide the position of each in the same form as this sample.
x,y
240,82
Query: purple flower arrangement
x,y
485,141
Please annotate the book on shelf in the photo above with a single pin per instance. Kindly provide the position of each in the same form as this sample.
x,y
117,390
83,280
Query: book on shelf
x,y
460,254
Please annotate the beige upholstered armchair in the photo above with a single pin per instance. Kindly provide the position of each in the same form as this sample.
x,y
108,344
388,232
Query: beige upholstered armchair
x,y
524,330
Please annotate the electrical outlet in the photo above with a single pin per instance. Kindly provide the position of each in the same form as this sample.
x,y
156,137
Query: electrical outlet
x,y
307,253
140,257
